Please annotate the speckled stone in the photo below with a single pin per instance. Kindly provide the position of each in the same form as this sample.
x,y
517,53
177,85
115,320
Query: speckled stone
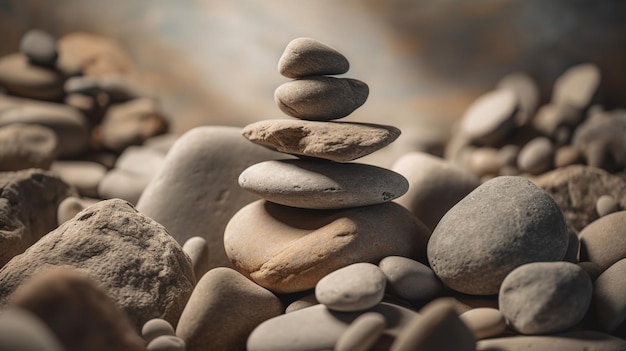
x,y
484,322
410,279
355,287
604,240
308,57
491,117
504,223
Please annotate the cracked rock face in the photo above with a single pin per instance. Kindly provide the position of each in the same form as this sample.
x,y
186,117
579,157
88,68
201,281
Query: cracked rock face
x,y
141,266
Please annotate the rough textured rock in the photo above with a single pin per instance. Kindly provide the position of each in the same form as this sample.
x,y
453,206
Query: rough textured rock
x,y
335,141
491,117
310,57
21,78
582,340
20,330
72,305
602,142
435,185
545,297
196,192
26,146
321,98
290,249
362,333
504,223
320,184
223,310
355,287
134,258
484,322
608,305
409,279
603,242
577,188
28,208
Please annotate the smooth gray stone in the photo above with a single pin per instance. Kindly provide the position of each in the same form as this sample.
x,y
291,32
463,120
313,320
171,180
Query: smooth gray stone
x,y
308,57
355,287
608,304
20,330
491,117
314,184
156,327
362,333
583,340
504,223
410,279
40,47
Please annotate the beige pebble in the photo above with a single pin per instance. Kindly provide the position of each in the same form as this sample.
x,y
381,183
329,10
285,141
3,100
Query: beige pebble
x,y
83,175
567,155
604,240
156,327
198,250
70,206
536,156
606,204
362,333
484,322
608,304
307,57
491,117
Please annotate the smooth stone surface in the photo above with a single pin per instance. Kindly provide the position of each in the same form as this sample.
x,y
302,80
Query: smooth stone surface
x,y
362,333
567,155
291,249
545,297
576,189
435,185
604,240
583,340
335,141
318,328
140,160
484,322
71,304
94,54
83,175
527,91
121,184
409,279
491,117
536,156
25,146
438,328
28,208
577,86
484,161
506,222
303,302
161,143
602,142
40,47
70,206
315,184
355,287
223,310
321,98
20,330
156,327
21,78
134,259
196,192
166,343
310,57
198,251
606,204
608,305
550,118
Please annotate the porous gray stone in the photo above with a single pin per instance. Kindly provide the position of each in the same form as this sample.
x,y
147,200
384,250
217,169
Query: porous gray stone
x,y
25,146
504,223
355,287
308,57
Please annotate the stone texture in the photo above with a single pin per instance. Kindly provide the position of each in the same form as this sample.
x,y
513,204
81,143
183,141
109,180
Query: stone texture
x,y
21,78
290,249
321,98
85,176
362,333
484,322
320,184
604,240
437,329
72,305
223,310
196,192
40,47
310,57
545,297
582,340
28,208
602,141
608,304
491,117
504,223
335,141
134,258
198,251
20,330
409,279
355,287
156,327
318,328
26,146
536,156
435,185
576,189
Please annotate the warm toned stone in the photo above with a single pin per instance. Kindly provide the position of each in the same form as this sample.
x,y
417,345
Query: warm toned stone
x,y
484,322
21,78
577,86
355,287
582,340
527,91
606,204
85,176
601,140
604,240
335,141
198,251
121,184
409,279
362,333
25,146
491,117
94,54
290,249
310,57
608,304
70,206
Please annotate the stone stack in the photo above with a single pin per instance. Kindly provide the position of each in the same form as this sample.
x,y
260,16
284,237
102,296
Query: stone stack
x,y
319,212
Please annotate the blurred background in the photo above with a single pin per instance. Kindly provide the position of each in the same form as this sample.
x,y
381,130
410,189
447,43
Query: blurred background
x,y
425,61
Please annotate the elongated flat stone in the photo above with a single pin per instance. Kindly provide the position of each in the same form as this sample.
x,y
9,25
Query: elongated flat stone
x,y
321,184
335,141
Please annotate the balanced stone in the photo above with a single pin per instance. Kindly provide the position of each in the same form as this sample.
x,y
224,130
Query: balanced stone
x,y
290,249
491,117
26,146
40,47
409,279
309,57
545,297
320,184
362,333
321,98
604,240
20,330
21,78
335,141
580,340
355,287
504,223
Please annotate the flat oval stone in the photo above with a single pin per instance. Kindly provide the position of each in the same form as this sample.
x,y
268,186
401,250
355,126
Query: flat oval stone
x,y
604,240
504,223
608,304
318,328
166,343
21,78
290,249
335,141
20,330
536,156
484,322
577,86
355,287
491,117
410,279
310,57
25,146
316,184
156,327
545,297
321,98
40,47
362,333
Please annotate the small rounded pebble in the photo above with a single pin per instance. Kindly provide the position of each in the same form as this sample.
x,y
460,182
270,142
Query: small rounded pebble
x,y
577,86
491,117
484,322
409,279
362,333
40,47
308,57
156,327
536,156
198,250
604,240
166,343
608,305
20,330
70,206
606,204
304,302
545,297
355,287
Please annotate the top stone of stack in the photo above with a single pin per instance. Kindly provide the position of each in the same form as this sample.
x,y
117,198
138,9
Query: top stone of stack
x,y
309,57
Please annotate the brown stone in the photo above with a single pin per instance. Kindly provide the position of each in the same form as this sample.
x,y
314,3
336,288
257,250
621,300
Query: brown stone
x,y
26,146
94,54
21,78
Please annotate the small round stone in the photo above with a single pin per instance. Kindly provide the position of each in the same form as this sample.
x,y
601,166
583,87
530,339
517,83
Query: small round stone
x,y
156,327
309,57
491,117
356,287
166,343
545,297
536,156
362,333
606,204
40,47
484,322
410,279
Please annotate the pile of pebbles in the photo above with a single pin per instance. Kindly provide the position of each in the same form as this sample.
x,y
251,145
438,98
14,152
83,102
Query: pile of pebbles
x,y
271,237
